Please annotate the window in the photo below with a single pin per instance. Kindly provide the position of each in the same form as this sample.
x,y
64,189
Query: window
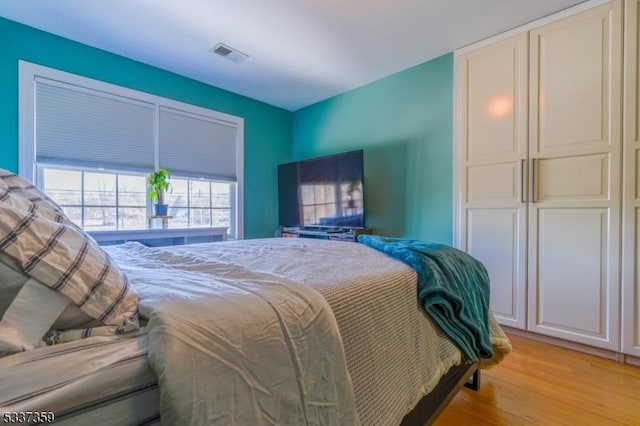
x,y
318,201
200,203
105,201
98,201
90,145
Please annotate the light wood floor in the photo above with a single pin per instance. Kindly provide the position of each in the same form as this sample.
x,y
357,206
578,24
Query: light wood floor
x,y
541,384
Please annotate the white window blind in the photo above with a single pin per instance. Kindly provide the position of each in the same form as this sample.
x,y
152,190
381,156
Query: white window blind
x,y
79,126
73,123
196,146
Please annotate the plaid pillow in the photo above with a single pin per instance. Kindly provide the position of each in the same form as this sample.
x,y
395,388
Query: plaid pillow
x,y
37,236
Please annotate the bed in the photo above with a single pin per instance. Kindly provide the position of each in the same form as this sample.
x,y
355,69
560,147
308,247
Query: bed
x,y
269,331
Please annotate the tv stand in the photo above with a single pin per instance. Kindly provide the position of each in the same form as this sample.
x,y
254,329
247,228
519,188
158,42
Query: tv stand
x,y
338,233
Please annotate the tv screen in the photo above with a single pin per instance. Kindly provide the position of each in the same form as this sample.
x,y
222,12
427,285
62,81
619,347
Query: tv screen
x,y
326,191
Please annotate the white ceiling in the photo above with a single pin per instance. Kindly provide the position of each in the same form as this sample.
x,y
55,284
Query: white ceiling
x,y
301,51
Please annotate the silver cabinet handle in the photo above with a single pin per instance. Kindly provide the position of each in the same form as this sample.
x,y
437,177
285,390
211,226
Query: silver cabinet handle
x,y
534,187
523,190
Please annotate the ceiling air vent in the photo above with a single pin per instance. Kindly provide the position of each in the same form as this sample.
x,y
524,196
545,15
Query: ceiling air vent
x,y
229,52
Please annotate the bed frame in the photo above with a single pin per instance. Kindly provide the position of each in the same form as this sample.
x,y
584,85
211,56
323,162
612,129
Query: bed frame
x,y
432,404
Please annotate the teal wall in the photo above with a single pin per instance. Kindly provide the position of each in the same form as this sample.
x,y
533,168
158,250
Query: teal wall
x,y
404,123
267,128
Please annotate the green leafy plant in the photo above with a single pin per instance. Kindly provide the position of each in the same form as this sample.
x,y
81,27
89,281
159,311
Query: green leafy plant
x,y
159,184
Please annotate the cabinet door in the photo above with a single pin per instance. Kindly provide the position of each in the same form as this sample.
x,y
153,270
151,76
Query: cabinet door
x,y
631,204
575,151
492,147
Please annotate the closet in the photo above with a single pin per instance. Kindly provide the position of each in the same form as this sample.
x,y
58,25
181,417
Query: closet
x,y
539,173
631,183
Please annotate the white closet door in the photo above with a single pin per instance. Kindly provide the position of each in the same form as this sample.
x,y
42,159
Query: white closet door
x,y
493,134
574,146
631,206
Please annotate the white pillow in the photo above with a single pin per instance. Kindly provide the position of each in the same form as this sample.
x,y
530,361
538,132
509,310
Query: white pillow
x,y
22,326
36,235
12,280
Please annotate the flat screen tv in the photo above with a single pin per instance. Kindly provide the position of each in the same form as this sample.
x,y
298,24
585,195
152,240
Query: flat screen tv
x,y
323,192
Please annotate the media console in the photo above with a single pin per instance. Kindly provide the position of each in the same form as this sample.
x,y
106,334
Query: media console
x,y
325,233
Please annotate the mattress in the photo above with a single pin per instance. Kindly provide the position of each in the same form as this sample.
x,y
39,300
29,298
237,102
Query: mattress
x,y
100,380
395,353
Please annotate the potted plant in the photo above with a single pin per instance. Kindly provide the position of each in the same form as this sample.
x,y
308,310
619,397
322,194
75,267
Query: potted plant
x,y
158,185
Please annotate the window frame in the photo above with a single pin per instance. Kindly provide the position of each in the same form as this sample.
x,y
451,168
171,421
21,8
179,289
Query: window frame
x,y
28,168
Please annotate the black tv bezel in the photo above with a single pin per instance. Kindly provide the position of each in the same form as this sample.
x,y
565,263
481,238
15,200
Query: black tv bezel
x,y
321,158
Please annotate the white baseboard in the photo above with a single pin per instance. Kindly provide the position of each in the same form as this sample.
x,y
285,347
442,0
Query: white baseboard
x,y
579,347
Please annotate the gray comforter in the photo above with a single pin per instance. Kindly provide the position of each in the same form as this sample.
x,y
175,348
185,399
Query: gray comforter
x,y
235,346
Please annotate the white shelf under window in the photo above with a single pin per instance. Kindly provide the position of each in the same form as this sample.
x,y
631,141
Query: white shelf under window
x,y
161,237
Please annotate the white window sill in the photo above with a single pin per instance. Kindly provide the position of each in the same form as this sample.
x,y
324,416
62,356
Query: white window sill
x,y
161,237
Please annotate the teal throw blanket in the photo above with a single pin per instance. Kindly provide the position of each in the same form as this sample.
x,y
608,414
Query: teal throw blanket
x,y
453,287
